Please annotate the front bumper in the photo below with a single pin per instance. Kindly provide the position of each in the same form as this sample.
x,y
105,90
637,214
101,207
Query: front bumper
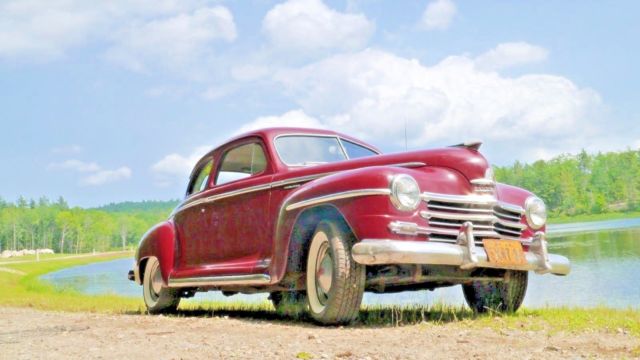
x,y
463,253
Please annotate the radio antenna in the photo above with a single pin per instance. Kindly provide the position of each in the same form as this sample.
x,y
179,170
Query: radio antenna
x,y
405,135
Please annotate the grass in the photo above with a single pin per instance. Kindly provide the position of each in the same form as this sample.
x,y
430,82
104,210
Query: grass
x,y
20,287
565,219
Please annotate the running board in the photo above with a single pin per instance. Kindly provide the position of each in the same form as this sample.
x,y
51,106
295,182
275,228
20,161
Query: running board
x,y
257,279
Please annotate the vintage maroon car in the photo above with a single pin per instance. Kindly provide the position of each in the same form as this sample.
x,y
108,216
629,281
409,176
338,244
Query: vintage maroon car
x,y
315,218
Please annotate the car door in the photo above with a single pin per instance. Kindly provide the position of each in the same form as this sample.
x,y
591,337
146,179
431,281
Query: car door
x,y
239,237
191,220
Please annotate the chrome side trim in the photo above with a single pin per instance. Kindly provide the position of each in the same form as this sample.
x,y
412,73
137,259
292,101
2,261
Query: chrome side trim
x,y
257,279
299,179
224,196
412,164
337,196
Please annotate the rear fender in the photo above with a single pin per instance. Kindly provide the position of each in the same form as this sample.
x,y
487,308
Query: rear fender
x,y
159,242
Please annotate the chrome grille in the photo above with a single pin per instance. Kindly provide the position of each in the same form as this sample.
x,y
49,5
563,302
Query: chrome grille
x,y
490,218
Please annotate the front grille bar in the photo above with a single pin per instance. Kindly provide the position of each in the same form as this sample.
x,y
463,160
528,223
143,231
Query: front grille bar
x,y
446,213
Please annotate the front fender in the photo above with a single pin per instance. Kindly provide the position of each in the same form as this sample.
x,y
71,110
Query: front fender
x,y
361,198
159,241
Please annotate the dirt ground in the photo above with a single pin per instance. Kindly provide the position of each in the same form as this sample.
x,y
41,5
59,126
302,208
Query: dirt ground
x,y
32,334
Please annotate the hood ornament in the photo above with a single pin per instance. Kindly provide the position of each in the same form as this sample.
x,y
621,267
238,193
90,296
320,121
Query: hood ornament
x,y
472,144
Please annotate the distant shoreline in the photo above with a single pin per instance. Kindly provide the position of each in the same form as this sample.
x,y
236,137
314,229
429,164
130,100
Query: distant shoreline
x,y
593,217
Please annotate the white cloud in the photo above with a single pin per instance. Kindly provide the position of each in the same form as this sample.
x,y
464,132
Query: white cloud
x,y
217,92
177,165
511,54
372,94
438,15
249,72
310,26
74,165
106,176
94,174
179,36
67,149
41,30
293,118
176,43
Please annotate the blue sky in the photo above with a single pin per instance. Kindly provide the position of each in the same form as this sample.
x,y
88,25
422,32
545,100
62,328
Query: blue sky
x,y
114,101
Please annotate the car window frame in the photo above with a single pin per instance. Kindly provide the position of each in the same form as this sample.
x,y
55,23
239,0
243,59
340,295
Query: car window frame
x,y
196,173
213,180
275,146
343,140
337,137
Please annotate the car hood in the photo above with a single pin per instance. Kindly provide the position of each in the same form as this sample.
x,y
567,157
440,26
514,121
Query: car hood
x,y
468,162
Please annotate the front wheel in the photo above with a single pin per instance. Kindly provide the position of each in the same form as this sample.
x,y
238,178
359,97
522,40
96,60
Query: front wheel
x,y
157,297
335,282
500,296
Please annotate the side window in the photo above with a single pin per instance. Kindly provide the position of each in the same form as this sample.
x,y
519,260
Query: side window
x,y
241,162
201,179
355,151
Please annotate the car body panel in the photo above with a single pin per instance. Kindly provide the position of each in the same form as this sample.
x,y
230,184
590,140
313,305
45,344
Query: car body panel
x,y
246,226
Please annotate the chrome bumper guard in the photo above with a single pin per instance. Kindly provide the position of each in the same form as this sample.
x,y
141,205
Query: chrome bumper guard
x,y
463,253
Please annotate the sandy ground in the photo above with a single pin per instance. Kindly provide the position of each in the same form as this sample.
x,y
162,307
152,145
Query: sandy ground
x,y
31,334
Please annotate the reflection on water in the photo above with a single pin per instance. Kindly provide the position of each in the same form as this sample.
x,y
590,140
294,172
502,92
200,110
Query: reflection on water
x,y
605,271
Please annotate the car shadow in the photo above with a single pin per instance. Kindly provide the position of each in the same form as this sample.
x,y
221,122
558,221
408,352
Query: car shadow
x,y
369,316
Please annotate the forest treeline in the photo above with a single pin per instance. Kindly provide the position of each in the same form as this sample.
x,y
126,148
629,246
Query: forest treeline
x,y
581,184
46,224
570,185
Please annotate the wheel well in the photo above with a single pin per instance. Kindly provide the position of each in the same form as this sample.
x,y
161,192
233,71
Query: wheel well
x,y
301,234
141,268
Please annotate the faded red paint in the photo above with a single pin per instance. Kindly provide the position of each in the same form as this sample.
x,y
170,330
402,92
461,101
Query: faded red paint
x,y
250,233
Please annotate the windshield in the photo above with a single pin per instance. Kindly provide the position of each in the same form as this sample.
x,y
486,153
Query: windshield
x,y
304,150
309,150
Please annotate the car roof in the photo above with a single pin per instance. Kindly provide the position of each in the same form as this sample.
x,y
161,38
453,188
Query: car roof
x,y
273,132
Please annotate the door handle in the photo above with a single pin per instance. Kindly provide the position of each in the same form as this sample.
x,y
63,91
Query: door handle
x,y
202,210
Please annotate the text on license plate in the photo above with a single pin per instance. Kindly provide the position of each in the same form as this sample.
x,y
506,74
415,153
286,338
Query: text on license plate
x,y
504,252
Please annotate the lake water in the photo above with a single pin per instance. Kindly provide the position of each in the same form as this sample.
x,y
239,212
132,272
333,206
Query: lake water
x,y
605,260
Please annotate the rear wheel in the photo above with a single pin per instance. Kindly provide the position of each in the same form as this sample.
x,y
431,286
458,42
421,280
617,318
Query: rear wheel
x,y
335,283
291,304
500,296
157,297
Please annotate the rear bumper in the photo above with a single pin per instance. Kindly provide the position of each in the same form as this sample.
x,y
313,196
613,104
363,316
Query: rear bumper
x,y
464,254
134,275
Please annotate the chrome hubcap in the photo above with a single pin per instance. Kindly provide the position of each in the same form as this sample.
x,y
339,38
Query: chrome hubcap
x,y
324,273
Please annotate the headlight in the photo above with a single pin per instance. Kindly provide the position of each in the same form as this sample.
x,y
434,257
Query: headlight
x,y
405,192
536,212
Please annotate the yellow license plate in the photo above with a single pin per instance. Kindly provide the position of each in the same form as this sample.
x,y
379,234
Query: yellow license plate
x,y
504,252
